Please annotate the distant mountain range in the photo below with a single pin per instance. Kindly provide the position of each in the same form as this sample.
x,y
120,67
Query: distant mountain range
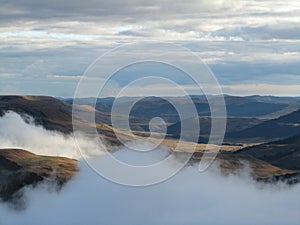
x,y
251,106
248,118
56,114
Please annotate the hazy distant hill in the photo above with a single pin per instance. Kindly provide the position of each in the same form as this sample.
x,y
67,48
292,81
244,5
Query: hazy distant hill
x,y
55,114
233,124
242,112
252,106
284,126
271,98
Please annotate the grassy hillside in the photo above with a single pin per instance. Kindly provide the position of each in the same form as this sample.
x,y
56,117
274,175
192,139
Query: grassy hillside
x,y
49,112
282,127
233,124
19,168
54,114
284,153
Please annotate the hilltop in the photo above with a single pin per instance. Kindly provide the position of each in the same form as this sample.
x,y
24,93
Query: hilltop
x,y
19,168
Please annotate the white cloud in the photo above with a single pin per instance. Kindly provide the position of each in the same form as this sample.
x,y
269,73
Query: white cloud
x,y
263,89
7,75
189,197
15,133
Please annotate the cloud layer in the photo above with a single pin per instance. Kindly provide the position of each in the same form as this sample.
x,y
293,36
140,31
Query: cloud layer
x,y
49,44
188,198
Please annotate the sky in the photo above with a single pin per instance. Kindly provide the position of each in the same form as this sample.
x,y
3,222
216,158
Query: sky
x,y
252,47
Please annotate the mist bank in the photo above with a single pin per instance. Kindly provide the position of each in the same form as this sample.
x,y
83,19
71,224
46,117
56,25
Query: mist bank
x,y
189,197
21,132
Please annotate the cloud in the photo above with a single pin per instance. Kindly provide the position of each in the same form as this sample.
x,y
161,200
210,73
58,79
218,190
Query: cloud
x,y
163,19
189,197
233,89
263,89
67,37
4,75
232,63
284,31
16,133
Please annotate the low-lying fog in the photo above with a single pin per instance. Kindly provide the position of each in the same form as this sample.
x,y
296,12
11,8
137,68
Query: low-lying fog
x,y
15,132
187,198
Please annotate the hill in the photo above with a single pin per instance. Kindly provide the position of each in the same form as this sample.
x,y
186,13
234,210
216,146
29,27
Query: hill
x,y
49,112
149,107
234,124
282,127
54,114
19,168
284,153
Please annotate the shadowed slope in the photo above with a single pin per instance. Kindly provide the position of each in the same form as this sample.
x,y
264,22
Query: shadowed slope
x,y
19,168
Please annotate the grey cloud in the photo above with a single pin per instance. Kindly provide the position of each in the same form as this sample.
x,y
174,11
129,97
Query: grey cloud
x,y
69,35
132,33
130,10
105,8
290,31
203,18
270,72
250,62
